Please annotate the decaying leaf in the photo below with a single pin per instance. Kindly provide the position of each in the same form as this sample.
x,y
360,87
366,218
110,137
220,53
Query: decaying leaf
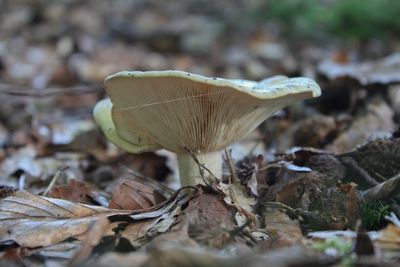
x,y
289,185
332,208
92,239
238,196
208,207
209,211
282,229
373,163
135,233
74,191
251,172
133,195
352,203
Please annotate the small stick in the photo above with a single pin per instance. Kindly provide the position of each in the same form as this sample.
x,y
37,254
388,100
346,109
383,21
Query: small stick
x,y
230,165
202,167
12,89
361,171
232,175
53,180
280,205
21,182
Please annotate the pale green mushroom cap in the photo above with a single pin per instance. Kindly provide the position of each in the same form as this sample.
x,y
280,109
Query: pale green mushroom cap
x,y
102,116
177,110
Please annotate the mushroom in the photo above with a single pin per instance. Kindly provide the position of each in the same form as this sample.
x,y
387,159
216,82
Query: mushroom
x,y
194,116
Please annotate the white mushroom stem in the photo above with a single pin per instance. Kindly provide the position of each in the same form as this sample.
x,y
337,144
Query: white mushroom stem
x,y
189,170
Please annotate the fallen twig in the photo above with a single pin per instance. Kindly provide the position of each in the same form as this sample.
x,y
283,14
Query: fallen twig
x,y
53,180
12,89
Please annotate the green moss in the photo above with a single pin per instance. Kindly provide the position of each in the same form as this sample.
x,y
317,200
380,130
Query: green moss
x,y
373,213
342,19
365,19
342,247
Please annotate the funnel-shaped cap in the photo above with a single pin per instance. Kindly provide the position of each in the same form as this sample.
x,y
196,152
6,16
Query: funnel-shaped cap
x,y
177,110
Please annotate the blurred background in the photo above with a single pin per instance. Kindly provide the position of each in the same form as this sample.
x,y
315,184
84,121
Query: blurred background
x,y
70,42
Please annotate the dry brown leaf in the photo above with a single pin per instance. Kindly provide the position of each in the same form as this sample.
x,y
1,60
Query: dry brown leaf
x,y
142,231
281,228
291,193
60,252
93,238
237,195
33,221
208,207
209,219
289,185
389,238
352,203
134,232
332,208
75,191
134,195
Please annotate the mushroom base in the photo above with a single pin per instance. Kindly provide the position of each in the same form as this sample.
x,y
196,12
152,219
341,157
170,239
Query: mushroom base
x,y
189,170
